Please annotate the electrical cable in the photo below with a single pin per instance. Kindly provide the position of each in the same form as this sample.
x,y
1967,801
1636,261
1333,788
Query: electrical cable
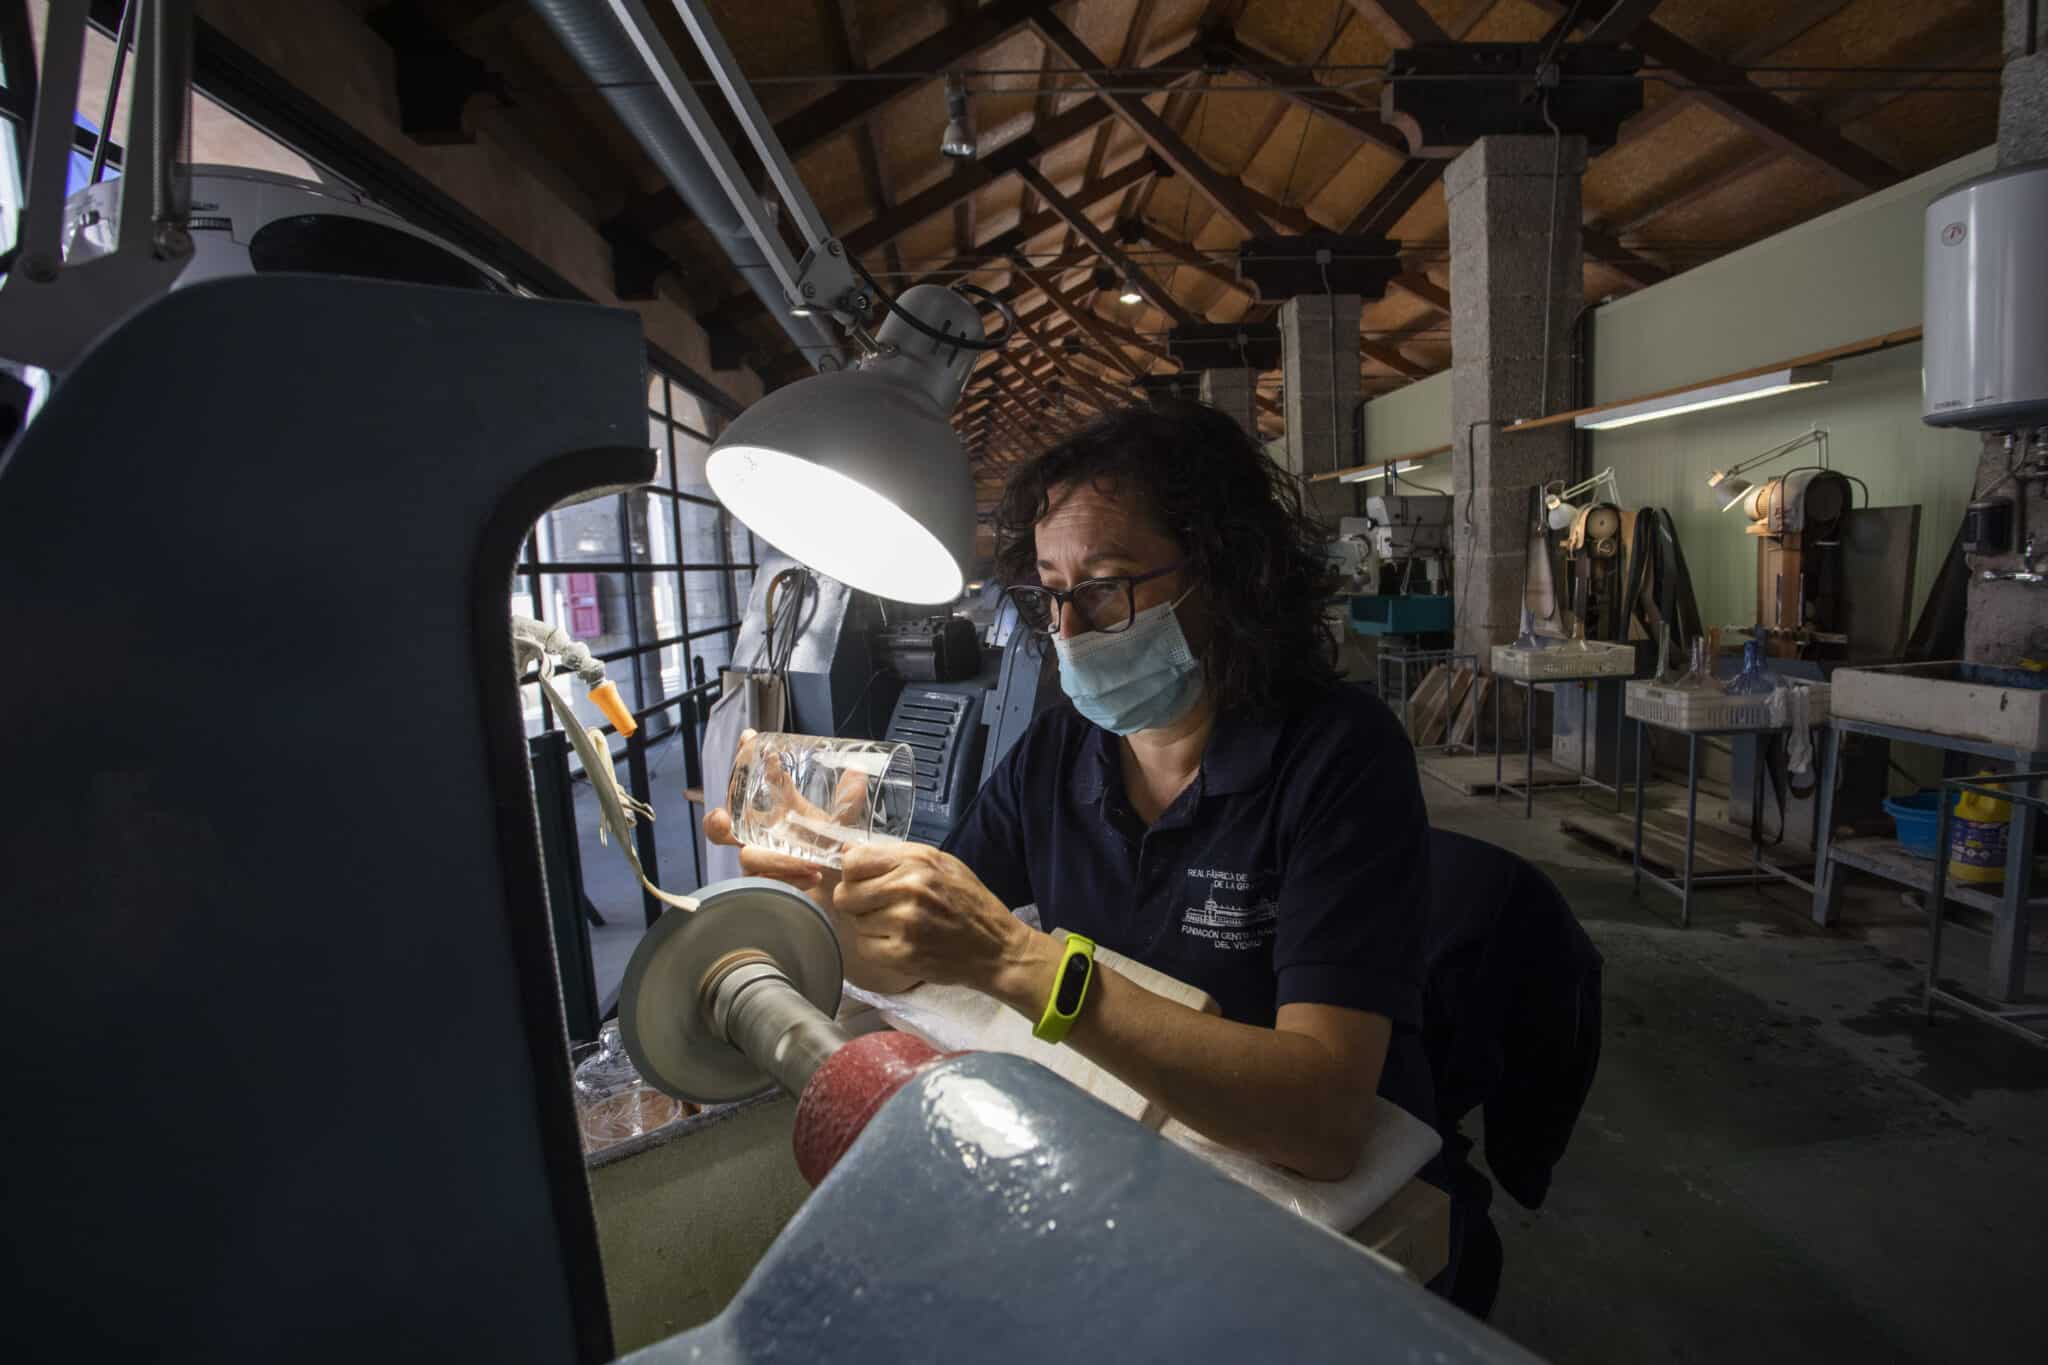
x,y
1550,238
124,37
995,343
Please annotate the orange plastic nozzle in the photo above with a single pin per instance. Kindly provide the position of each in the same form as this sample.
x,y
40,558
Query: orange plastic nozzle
x,y
607,698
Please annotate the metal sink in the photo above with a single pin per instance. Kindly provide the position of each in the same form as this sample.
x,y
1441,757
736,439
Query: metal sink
x,y
2003,706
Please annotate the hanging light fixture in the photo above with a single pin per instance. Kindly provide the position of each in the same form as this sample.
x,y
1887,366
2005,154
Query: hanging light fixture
x,y
958,139
1130,294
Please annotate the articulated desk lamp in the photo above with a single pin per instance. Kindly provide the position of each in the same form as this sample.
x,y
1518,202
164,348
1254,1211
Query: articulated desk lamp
x,y
856,472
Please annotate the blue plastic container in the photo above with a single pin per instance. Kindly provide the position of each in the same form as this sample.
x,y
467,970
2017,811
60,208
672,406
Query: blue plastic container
x,y
1401,614
1914,817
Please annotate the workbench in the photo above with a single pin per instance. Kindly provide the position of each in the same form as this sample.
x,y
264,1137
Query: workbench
x,y
1527,789
1759,866
2010,908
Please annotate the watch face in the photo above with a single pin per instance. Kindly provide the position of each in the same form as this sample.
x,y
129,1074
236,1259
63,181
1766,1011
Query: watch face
x,y
1073,980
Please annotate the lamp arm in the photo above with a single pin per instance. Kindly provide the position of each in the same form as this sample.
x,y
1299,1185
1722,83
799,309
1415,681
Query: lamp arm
x,y
823,279
1818,436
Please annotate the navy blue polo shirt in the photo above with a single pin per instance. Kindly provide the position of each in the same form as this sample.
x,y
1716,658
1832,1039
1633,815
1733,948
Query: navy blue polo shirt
x,y
1293,869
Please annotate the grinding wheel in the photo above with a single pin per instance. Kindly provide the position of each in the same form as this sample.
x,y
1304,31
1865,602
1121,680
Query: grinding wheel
x,y
661,1011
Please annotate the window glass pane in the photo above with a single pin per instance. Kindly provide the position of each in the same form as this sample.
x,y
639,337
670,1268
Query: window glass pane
x,y
687,408
652,527
669,672
522,595
739,545
587,531
657,391
529,702
591,607
691,451
742,588
659,614
708,655
707,599
702,536
657,436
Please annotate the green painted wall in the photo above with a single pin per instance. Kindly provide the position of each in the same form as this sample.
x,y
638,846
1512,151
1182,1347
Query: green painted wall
x,y
1846,275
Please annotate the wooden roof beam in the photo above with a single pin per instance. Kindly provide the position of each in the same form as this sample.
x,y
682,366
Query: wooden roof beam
x,y
1097,329
1403,23
1188,256
1422,289
1227,196
1731,93
1081,223
1292,83
1621,19
1390,203
1391,357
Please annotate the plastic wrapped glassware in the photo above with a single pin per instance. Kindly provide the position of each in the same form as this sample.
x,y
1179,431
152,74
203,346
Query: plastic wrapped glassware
x,y
1701,673
1666,675
813,797
1752,681
613,1103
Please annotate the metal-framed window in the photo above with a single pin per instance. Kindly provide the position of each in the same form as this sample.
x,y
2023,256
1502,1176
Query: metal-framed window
x,y
654,580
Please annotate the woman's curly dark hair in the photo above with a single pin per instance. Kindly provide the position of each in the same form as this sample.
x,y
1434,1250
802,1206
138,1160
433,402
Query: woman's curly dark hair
x,y
1257,556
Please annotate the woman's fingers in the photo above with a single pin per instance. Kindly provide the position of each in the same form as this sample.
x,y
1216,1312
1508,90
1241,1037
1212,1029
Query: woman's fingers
x,y
759,862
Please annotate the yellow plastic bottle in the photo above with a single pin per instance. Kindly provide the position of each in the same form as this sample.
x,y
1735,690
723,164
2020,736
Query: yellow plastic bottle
x,y
1976,841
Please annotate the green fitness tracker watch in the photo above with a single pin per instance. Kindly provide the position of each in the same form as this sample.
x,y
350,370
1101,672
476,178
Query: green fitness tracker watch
x,y
1069,988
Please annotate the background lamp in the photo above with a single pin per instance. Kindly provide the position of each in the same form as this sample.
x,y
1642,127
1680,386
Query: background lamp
x,y
957,141
1559,509
1706,396
858,473
1730,489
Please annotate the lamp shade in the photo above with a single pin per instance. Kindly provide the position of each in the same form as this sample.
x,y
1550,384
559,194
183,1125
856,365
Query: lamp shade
x,y
858,474
1731,490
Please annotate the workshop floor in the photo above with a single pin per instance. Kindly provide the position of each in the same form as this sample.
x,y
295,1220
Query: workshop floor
x,y
1779,1161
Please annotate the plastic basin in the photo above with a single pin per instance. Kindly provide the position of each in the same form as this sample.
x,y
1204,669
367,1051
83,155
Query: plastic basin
x,y
1914,817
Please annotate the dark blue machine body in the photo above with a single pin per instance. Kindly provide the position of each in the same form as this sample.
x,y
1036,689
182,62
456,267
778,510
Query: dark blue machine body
x,y
992,1212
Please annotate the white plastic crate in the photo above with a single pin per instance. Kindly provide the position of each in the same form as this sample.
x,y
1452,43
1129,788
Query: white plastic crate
x,y
1562,663
1709,708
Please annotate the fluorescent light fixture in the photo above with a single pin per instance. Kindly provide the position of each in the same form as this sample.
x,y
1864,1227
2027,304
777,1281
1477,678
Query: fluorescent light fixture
x,y
1376,472
1706,396
1130,295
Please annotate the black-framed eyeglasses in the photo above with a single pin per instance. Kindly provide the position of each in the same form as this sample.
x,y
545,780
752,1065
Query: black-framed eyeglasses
x,y
1104,604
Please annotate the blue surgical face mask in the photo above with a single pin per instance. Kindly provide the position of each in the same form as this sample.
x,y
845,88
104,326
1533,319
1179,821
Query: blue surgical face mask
x,y
1139,678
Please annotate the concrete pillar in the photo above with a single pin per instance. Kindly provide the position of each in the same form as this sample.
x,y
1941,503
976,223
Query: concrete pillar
x,y
1515,253
1319,365
2008,620
1236,392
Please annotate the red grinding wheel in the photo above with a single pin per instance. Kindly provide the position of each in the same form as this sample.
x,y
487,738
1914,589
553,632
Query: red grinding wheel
x,y
846,1091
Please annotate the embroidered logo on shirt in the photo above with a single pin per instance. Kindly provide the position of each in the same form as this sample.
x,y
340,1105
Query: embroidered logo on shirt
x,y
1232,916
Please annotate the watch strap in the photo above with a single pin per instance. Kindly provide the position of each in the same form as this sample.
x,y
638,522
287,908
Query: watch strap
x,y
1070,981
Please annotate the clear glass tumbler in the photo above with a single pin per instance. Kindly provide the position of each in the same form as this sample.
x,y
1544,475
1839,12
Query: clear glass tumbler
x,y
814,797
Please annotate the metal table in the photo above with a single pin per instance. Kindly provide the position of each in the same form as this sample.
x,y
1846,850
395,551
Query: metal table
x,y
2019,862
1527,791
1406,660
2010,909
1760,867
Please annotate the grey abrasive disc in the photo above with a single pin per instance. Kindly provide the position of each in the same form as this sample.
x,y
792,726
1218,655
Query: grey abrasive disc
x,y
661,1016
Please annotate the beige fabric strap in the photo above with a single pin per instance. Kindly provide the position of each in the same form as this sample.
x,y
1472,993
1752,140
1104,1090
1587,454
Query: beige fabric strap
x,y
618,809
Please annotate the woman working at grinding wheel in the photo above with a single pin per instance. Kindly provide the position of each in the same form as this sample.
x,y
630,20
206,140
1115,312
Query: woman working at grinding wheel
x,y
1214,805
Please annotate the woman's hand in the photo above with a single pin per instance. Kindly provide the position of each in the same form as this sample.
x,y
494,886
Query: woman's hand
x,y
816,881
922,913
